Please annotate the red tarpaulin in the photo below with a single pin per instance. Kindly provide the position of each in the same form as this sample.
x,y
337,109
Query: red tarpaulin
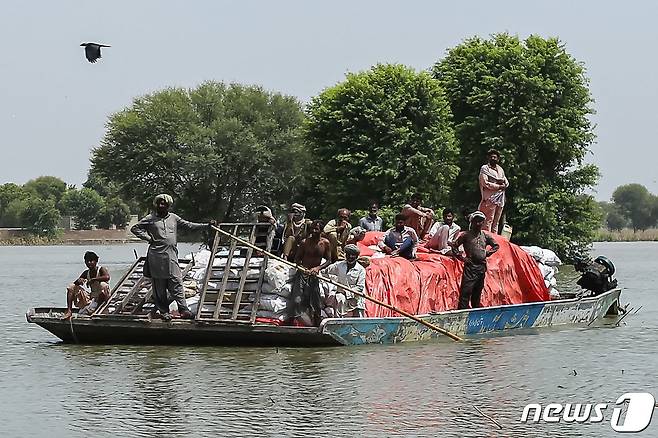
x,y
431,282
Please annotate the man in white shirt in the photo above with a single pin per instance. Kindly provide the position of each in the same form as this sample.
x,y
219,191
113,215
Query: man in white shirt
x,y
445,233
353,275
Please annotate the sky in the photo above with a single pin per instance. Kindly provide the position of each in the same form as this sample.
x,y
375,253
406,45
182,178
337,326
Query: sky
x,y
54,104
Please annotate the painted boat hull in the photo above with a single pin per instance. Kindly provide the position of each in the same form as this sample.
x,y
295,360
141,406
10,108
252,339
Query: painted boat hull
x,y
109,329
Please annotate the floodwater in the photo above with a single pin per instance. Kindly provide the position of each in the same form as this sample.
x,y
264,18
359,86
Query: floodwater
x,y
425,389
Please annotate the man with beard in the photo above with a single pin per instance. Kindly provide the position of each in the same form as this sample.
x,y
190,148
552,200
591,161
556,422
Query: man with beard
x,y
351,274
160,230
295,230
475,242
493,184
305,295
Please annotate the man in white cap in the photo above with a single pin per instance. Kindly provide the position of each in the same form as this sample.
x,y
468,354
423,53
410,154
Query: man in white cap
x,y
353,275
475,242
160,230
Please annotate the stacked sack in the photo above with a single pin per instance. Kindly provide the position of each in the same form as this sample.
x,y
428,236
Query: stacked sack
x,y
548,263
275,290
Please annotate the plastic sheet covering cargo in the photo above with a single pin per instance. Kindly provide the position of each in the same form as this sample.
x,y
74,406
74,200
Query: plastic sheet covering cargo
x,y
431,282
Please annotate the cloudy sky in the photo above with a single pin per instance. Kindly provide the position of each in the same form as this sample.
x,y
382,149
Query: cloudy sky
x,y
54,104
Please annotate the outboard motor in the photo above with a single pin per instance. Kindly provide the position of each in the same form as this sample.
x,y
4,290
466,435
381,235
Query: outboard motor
x,y
597,275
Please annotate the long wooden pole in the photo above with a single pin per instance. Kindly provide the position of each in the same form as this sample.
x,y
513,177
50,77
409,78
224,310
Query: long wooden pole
x,y
342,286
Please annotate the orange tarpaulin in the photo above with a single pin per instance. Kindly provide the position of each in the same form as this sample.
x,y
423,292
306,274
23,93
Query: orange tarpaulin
x,y
431,282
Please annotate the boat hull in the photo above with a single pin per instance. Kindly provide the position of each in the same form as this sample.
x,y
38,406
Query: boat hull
x,y
109,329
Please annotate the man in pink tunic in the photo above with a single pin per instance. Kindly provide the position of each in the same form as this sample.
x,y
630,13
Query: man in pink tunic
x,y
493,184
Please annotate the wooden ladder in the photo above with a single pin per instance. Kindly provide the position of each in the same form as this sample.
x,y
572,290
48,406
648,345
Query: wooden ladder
x,y
133,290
234,275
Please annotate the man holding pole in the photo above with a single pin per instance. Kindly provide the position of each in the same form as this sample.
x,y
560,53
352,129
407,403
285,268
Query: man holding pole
x,y
160,230
305,296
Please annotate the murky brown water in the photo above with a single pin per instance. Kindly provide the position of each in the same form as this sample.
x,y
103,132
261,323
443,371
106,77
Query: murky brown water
x,y
55,390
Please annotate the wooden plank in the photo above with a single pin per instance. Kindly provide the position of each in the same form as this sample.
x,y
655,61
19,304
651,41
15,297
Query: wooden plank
x,y
206,278
227,268
245,269
263,267
102,308
126,298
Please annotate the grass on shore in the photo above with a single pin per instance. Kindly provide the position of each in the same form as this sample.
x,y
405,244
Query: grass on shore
x,y
30,240
626,235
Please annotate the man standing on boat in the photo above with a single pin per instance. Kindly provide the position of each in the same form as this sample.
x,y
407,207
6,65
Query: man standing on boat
x,y
475,242
160,230
305,295
493,184
351,274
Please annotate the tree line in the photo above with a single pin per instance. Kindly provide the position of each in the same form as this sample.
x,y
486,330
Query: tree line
x,y
39,205
632,206
381,134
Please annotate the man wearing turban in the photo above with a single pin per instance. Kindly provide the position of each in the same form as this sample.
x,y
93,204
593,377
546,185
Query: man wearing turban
x,y
160,230
351,274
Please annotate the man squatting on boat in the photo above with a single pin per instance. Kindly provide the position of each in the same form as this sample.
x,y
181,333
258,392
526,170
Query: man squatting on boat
x,y
97,278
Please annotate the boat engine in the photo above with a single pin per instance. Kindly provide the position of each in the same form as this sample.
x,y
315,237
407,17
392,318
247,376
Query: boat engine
x,y
597,275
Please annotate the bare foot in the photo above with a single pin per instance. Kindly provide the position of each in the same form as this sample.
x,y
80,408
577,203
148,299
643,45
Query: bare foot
x,y
67,315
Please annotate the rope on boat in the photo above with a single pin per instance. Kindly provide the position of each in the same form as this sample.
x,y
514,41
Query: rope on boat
x,y
342,286
75,338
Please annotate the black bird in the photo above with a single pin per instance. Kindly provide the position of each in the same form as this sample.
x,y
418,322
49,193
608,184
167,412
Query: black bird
x,y
93,51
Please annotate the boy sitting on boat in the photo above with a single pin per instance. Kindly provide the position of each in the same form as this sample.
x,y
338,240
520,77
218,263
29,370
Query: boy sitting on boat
x,y
97,279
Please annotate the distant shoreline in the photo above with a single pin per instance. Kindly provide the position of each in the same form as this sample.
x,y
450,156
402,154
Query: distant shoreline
x,y
626,235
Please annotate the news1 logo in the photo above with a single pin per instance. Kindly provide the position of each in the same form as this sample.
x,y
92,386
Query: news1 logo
x,y
637,418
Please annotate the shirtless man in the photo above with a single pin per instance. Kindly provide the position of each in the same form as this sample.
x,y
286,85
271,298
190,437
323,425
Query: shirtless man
x,y
475,243
418,217
97,279
305,294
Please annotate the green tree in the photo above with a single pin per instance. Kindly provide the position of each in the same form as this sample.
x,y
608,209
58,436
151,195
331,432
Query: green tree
x,y
84,204
114,212
613,216
218,149
12,203
530,100
46,187
382,134
41,217
636,203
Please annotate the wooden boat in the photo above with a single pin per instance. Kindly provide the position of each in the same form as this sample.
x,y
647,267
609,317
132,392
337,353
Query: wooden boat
x,y
232,280
122,329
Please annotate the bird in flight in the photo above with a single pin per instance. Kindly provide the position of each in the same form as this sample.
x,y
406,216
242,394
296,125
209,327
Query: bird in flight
x,y
93,51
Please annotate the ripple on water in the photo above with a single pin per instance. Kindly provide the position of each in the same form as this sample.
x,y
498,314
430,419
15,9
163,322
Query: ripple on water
x,y
426,389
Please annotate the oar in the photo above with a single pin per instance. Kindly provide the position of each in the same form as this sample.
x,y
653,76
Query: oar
x,y
335,283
